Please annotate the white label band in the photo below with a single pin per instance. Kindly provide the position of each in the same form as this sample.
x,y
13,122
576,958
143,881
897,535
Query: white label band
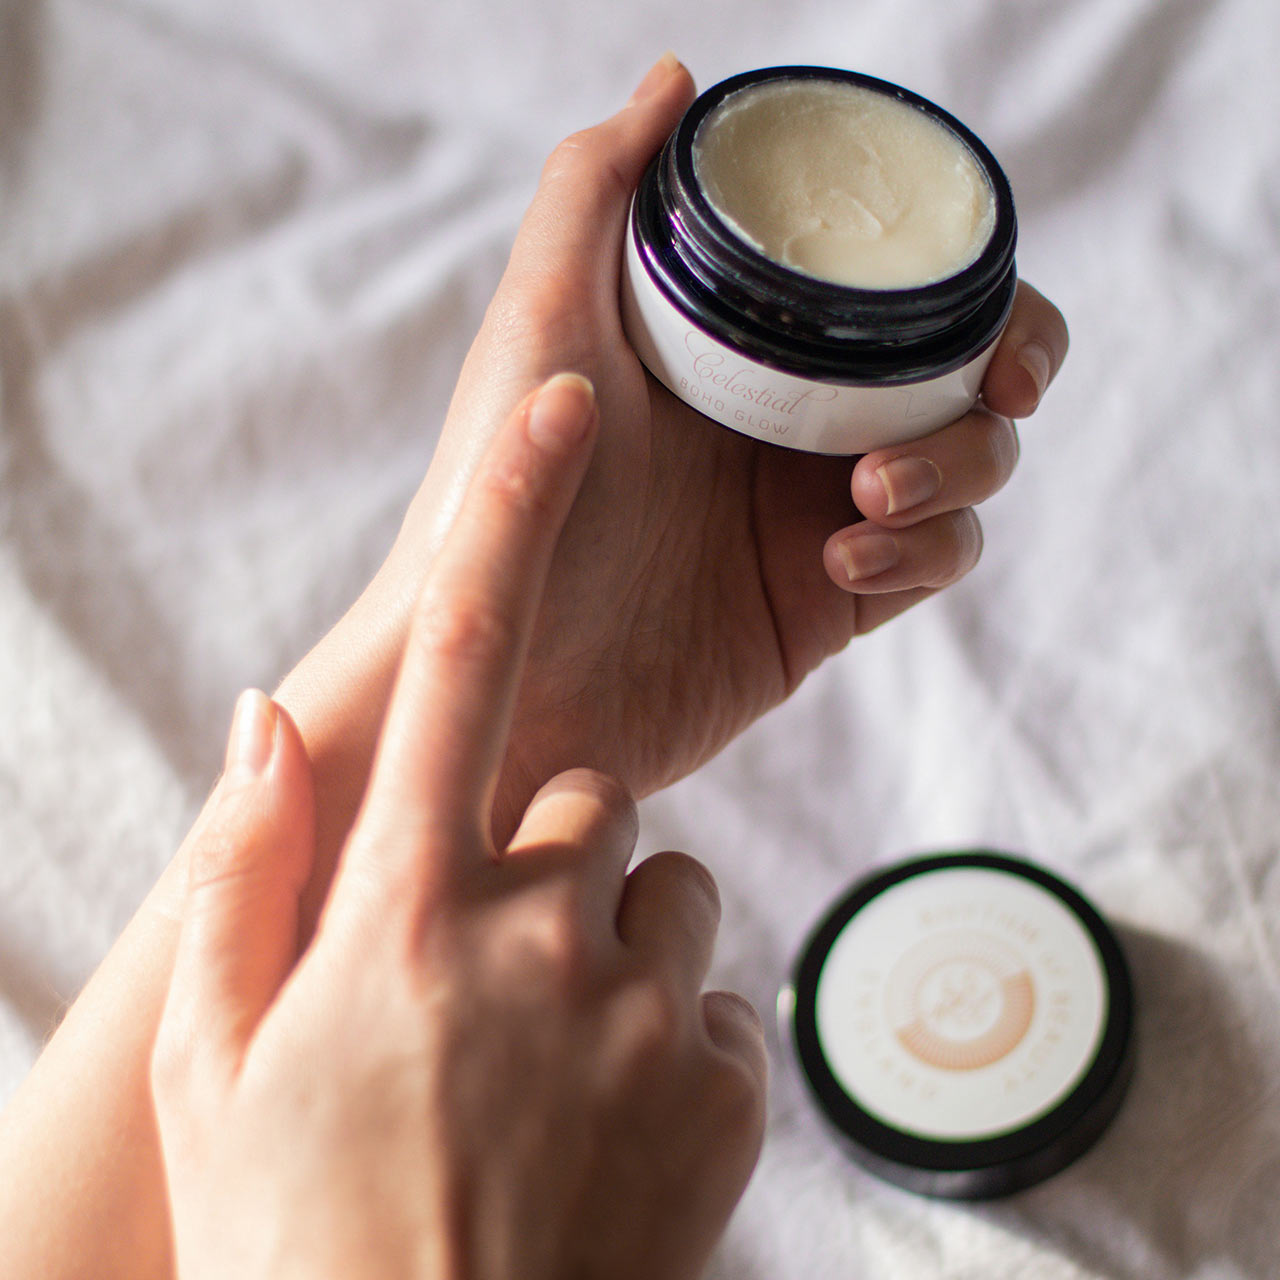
x,y
778,407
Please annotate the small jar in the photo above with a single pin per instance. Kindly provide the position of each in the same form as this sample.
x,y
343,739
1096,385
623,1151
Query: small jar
x,y
784,352
964,1022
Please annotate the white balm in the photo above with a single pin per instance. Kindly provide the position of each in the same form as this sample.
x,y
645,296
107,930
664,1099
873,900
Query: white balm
x,y
844,183
820,260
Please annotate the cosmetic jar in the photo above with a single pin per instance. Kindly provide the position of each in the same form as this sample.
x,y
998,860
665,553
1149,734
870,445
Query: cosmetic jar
x,y
964,1022
777,340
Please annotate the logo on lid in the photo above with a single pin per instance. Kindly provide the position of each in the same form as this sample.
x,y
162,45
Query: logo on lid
x,y
960,1000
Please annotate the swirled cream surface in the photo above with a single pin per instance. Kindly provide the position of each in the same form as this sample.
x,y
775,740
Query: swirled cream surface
x,y
844,183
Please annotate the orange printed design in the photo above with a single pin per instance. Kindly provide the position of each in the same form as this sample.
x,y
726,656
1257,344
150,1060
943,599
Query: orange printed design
x,y
960,1000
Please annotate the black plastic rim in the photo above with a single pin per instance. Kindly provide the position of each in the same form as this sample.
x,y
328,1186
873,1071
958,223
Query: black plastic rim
x,y
792,321
989,1167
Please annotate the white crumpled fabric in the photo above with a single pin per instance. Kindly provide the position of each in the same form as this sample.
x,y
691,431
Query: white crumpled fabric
x,y
242,251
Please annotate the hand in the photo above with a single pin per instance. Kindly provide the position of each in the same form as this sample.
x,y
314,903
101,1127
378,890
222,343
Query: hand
x,y
490,1063
702,574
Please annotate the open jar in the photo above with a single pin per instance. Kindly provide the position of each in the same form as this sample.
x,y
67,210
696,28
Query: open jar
x,y
821,260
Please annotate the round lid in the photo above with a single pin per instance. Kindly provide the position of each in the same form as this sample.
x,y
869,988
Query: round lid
x,y
965,1021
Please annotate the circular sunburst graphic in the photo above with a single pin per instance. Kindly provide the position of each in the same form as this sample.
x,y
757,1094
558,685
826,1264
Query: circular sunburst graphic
x,y
960,1000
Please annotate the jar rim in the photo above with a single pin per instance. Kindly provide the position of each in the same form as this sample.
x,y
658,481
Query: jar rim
x,y
797,321
990,260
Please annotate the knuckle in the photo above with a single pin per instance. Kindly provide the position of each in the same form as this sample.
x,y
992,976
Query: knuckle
x,y
963,546
971,538
585,156
561,934
611,794
462,629
998,453
567,155
552,940
214,859
649,1022
223,847
224,857
734,1099
508,489
737,1008
692,875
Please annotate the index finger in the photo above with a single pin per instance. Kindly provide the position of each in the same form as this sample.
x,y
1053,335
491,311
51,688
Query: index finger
x,y
449,716
585,191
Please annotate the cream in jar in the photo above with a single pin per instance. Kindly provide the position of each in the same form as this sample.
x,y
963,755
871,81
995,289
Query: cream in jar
x,y
844,183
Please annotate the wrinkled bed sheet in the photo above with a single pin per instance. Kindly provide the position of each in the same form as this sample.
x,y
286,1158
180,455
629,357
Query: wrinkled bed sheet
x,y
243,249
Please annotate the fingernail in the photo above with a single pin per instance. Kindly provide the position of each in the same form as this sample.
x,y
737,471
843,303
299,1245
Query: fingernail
x,y
561,411
1034,357
866,556
908,482
657,75
253,731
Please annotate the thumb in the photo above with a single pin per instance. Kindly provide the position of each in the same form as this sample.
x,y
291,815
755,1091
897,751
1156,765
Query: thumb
x,y
574,225
248,858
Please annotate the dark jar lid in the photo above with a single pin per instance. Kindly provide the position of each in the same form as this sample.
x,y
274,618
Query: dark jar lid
x,y
797,322
965,1022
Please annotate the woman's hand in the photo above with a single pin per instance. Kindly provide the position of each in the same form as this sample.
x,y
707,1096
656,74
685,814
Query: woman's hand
x,y
490,1062
702,574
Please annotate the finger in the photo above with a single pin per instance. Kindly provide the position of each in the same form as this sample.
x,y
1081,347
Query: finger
x,y
573,228
581,827
248,860
959,466
449,716
734,1027
934,553
874,611
1030,353
668,917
